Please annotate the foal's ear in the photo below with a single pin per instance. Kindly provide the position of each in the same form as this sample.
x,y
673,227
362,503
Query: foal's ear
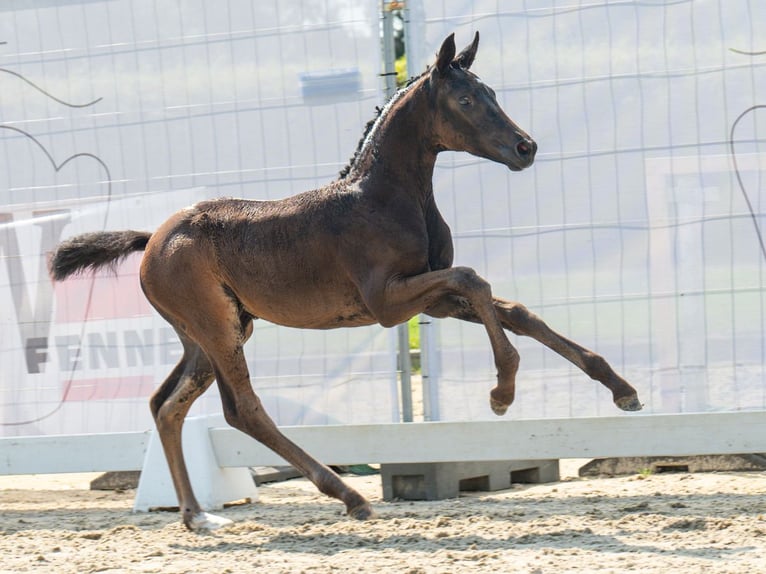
x,y
446,54
465,58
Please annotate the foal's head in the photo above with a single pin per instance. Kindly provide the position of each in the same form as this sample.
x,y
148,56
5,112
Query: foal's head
x,y
467,116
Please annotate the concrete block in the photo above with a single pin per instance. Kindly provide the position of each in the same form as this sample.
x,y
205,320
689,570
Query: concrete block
x,y
267,474
657,464
116,480
440,480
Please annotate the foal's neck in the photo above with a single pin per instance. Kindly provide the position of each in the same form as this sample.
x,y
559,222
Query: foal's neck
x,y
396,157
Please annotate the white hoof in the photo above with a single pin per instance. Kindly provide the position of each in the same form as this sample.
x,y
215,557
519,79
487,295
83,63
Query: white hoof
x,y
205,521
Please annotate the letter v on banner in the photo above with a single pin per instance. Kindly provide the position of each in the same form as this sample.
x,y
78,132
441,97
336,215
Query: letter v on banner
x,y
33,314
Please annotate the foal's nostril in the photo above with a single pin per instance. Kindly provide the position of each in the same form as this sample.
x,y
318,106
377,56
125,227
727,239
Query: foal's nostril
x,y
525,148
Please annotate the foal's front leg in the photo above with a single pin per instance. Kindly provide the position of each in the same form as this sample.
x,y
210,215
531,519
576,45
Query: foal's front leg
x,y
394,301
521,321
518,319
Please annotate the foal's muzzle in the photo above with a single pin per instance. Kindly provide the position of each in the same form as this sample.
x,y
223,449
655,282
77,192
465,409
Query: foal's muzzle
x,y
525,150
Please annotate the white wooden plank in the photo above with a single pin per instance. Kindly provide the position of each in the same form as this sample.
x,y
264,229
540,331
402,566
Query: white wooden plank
x,y
631,435
73,453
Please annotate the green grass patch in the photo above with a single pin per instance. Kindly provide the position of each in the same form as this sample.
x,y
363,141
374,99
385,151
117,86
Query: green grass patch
x,y
414,329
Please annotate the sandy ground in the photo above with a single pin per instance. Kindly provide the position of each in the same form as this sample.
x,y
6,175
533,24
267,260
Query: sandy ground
x,y
713,522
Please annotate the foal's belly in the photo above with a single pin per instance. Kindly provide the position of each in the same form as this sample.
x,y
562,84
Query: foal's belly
x,y
317,321
308,307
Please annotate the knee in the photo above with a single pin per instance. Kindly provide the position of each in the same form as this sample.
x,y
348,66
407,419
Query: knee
x,y
167,416
232,412
232,418
518,313
155,403
245,414
161,406
236,418
519,319
449,306
467,280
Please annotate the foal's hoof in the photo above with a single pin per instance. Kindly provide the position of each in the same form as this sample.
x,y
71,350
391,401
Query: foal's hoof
x,y
203,522
497,407
629,403
362,512
500,400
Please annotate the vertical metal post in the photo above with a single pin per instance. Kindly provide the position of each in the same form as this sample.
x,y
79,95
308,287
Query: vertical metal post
x,y
388,53
405,372
387,47
427,373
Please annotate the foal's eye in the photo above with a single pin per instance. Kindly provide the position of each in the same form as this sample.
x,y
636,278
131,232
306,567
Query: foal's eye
x,y
465,101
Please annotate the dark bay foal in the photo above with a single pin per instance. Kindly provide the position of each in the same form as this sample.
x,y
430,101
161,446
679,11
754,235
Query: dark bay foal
x,y
368,248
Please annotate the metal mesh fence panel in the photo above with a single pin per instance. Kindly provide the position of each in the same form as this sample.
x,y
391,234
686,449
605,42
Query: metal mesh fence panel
x,y
637,233
115,114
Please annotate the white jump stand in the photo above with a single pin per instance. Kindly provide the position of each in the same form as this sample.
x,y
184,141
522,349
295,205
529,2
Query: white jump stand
x,y
214,486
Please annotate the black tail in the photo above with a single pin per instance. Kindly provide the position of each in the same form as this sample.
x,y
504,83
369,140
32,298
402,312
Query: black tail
x,y
94,251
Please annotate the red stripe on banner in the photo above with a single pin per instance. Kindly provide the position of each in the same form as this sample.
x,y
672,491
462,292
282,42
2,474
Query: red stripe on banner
x,y
108,388
113,296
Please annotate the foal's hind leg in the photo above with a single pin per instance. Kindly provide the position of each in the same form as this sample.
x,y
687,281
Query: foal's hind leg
x,y
244,411
518,319
169,406
221,335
